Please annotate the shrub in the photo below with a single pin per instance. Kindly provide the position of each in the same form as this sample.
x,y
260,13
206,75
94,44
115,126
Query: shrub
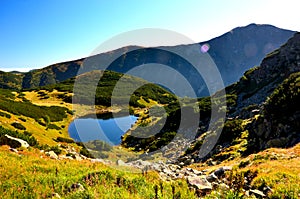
x,y
232,129
22,119
53,126
5,115
86,153
18,126
98,145
12,143
66,140
26,136
55,149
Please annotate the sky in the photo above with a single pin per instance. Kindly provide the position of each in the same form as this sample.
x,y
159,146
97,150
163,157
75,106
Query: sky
x,y
37,33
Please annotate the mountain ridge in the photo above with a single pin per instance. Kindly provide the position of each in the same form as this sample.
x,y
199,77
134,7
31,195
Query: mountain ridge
x,y
229,51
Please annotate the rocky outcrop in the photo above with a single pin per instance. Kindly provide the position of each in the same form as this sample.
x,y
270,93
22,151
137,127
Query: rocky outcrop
x,y
258,83
22,142
52,155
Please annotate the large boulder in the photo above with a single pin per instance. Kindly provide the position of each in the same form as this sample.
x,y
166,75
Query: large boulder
x,y
221,171
199,183
121,163
22,142
52,155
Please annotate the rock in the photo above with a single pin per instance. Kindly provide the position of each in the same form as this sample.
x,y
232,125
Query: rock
x,y
257,193
267,189
55,195
212,178
52,155
22,142
197,172
97,160
78,158
121,163
77,187
215,185
13,150
221,171
278,142
211,163
199,183
173,167
168,172
255,111
65,157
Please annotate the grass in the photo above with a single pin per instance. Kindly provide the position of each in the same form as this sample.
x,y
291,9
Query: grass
x,y
277,168
34,175
41,133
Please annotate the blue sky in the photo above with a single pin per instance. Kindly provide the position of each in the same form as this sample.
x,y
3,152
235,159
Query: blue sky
x,y
37,33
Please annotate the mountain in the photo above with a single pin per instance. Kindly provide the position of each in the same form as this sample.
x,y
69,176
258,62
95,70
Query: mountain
x,y
256,156
244,47
263,108
233,53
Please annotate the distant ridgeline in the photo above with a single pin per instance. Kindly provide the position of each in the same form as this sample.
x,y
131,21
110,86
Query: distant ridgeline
x,y
234,53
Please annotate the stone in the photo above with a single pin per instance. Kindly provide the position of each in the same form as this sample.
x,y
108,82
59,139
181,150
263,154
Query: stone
x,y
22,142
97,160
121,163
77,187
278,142
221,171
13,150
52,155
197,172
55,195
257,193
212,178
78,158
65,157
199,183
168,172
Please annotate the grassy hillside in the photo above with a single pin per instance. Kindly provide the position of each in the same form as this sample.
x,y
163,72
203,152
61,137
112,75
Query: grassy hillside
x,y
46,112
262,113
36,176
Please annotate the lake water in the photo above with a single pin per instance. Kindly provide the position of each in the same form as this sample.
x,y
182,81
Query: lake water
x,y
108,130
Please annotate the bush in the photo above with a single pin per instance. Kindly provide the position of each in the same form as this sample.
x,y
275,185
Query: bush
x,y
18,126
55,149
26,136
232,129
5,115
86,153
12,143
41,122
53,126
22,119
98,145
27,109
66,140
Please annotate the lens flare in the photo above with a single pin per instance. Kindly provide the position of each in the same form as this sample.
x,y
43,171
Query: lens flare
x,y
205,48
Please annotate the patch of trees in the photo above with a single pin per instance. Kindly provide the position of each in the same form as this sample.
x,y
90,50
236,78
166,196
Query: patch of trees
x,y
26,136
27,109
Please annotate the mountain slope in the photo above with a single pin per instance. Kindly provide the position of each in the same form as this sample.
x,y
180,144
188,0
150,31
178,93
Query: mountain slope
x,y
233,53
266,110
244,47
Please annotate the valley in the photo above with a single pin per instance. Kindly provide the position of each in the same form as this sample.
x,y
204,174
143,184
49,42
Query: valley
x,y
256,155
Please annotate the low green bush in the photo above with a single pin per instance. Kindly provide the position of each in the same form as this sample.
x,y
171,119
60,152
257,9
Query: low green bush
x,y
18,126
